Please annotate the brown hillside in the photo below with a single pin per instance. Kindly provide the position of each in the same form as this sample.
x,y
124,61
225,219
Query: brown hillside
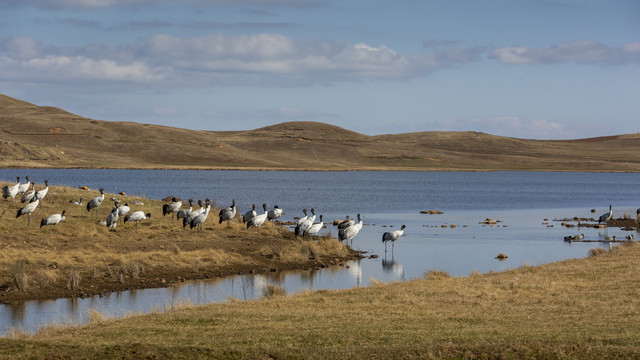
x,y
38,136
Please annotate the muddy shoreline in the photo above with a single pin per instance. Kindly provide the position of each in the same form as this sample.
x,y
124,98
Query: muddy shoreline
x,y
159,278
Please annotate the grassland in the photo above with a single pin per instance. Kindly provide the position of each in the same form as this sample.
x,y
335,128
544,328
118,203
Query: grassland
x,y
574,309
40,136
84,258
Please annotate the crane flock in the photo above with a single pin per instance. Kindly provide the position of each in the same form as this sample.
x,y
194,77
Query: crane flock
x,y
192,217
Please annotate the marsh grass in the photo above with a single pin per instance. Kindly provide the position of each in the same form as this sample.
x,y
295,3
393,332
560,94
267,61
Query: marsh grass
x,y
73,280
18,274
597,252
271,291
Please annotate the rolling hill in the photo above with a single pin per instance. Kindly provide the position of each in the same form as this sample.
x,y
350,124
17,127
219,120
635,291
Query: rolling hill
x,y
39,136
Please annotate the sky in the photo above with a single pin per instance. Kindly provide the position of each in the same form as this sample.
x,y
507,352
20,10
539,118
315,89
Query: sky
x,y
537,69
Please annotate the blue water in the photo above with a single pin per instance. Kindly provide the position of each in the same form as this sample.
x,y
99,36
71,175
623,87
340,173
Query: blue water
x,y
523,201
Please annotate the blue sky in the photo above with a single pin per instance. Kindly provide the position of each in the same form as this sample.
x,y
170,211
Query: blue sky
x,y
545,69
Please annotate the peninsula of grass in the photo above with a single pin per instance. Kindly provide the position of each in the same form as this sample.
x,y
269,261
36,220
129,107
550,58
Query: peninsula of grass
x,y
575,309
83,258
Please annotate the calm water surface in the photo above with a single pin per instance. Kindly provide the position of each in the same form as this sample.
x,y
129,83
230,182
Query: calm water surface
x,y
521,200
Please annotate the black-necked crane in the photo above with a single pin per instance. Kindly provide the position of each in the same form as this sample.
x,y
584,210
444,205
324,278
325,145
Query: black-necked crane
x,y
96,201
301,221
274,213
53,220
199,220
392,236
258,220
249,214
28,209
40,194
11,191
185,212
137,216
172,208
228,213
187,220
123,210
112,219
343,224
28,195
76,202
313,230
604,218
351,232
22,188
304,226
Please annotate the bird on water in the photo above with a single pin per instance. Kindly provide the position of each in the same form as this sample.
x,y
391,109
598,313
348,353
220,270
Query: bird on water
x,y
392,236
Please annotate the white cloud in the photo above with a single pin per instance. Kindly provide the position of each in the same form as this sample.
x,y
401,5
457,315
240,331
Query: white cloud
x,y
582,52
76,68
219,59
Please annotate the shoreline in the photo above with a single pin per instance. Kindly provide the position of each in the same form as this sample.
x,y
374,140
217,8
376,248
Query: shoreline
x,y
373,169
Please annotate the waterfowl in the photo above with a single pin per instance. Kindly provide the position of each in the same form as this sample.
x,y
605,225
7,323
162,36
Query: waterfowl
x,y
258,220
53,220
392,236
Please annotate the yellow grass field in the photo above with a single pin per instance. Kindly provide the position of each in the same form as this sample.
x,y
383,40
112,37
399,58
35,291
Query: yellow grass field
x,y
574,309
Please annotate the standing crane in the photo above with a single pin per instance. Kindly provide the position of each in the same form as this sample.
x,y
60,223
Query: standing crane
x,y
392,236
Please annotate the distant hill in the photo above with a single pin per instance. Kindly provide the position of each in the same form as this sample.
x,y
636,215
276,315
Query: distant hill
x,y
40,136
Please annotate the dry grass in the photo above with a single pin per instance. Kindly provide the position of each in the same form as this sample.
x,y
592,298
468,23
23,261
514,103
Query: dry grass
x,y
271,291
59,139
584,309
84,257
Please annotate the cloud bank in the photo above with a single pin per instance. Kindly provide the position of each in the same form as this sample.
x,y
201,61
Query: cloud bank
x,y
258,59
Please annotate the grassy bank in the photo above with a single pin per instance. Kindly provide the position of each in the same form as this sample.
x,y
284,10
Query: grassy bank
x,y
82,257
586,308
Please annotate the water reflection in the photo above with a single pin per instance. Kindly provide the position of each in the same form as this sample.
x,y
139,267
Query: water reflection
x,y
391,267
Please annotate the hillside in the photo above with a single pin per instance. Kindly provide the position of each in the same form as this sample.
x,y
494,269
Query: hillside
x,y
39,136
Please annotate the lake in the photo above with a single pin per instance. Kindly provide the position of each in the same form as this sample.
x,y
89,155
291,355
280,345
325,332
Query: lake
x,y
525,202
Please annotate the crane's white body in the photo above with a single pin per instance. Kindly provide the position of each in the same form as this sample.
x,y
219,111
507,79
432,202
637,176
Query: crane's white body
x,y
350,232
313,229
249,214
11,191
28,209
136,216
53,220
228,213
96,201
24,187
40,194
258,220
274,213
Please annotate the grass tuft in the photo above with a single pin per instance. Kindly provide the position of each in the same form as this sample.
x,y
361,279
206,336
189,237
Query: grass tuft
x,y
597,252
73,280
18,274
271,291
436,274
